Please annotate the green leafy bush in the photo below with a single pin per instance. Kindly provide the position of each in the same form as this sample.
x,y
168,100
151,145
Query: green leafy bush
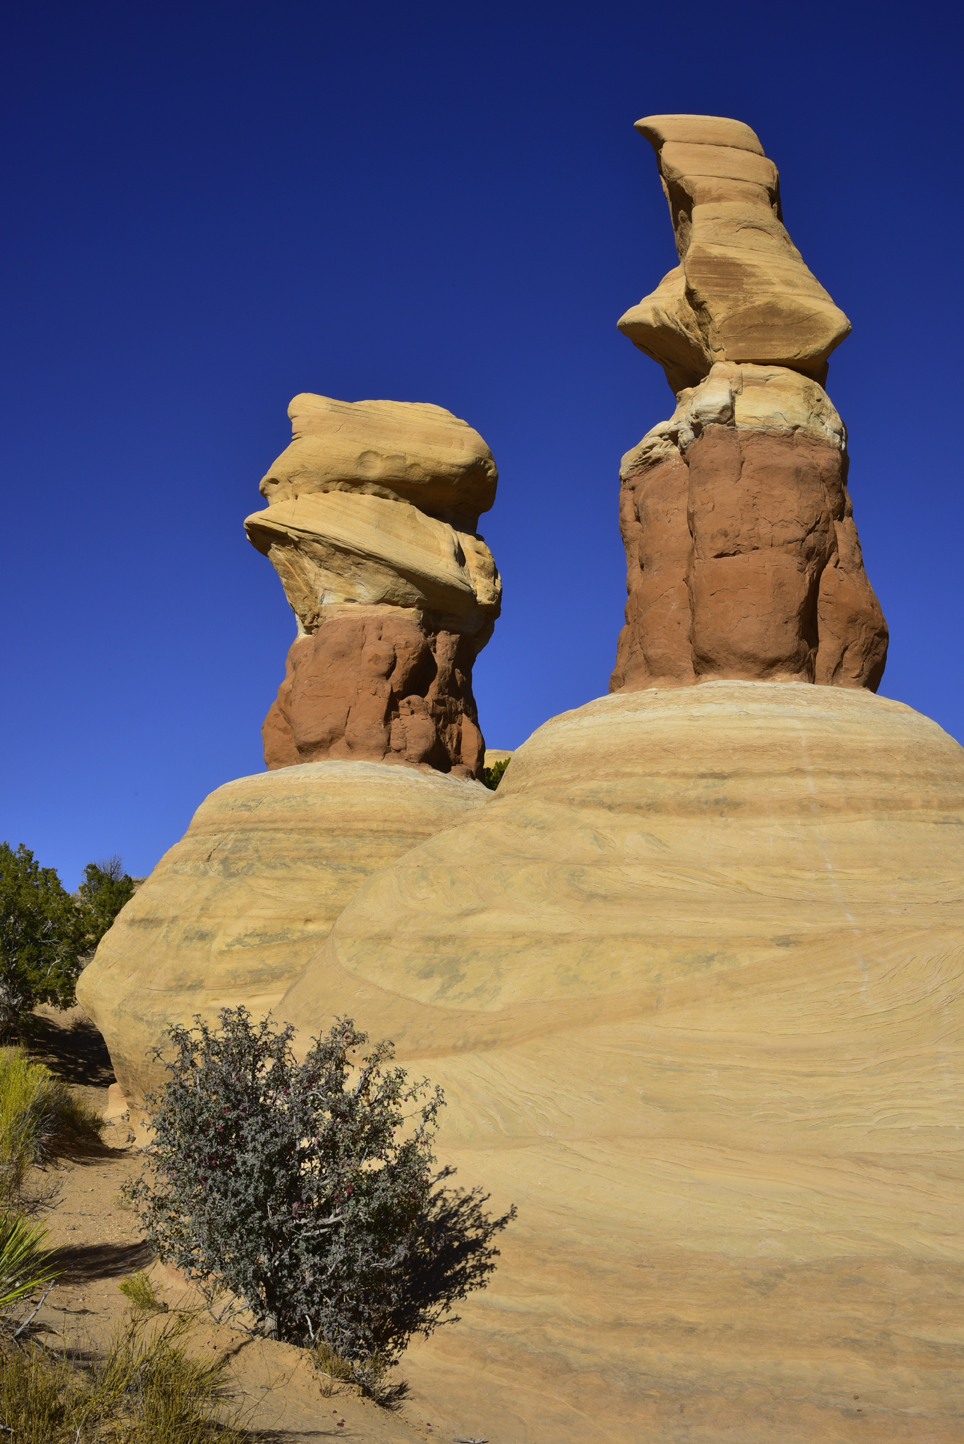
x,y
39,936
104,891
310,1190
46,935
492,776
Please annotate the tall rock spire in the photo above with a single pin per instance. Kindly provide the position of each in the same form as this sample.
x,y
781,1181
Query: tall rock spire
x,y
743,560
371,525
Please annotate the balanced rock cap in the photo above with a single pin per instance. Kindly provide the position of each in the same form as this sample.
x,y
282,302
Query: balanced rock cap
x,y
742,292
402,450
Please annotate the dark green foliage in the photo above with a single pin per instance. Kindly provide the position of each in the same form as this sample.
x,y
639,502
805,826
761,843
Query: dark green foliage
x,y
104,891
309,1190
40,936
45,934
492,776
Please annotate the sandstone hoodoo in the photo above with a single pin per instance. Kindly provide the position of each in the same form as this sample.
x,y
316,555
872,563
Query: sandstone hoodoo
x,y
371,525
743,560
692,980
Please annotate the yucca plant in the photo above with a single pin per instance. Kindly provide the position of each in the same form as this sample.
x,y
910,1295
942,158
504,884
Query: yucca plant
x,y
25,1262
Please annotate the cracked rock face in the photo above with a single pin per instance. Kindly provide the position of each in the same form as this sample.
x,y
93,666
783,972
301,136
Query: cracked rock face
x,y
371,524
743,560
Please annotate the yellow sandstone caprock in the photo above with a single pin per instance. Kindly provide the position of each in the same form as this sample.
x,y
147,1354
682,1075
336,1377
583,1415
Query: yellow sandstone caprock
x,y
742,291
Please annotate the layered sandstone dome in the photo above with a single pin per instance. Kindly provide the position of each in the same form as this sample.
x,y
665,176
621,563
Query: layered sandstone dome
x,y
232,912
692,985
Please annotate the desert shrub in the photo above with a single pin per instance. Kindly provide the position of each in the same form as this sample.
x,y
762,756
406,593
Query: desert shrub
x,y
106,888
39,936
139,1291
46,935
492,776
146,1389
39,1117
310,1190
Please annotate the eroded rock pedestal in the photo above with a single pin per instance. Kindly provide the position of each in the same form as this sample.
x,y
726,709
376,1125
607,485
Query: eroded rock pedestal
x,y
371,525
743,559
232,912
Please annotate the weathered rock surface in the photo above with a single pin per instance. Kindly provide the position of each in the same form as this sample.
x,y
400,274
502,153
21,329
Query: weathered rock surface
x,y
743,559
371,525
232,912
408,451
741,291
372,682
692,984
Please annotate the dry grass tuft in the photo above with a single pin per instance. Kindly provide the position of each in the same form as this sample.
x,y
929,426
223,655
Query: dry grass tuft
x,y
139,1290
145,1390
332,1367
40,1118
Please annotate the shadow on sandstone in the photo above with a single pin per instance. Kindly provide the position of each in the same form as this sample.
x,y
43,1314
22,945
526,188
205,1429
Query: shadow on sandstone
x,y
71,1047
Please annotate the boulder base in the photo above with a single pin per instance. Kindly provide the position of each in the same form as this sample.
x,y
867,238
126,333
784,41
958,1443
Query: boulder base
x,y
692,984
231,913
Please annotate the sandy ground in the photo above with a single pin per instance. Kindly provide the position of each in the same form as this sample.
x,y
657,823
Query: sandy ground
x,y
98,1243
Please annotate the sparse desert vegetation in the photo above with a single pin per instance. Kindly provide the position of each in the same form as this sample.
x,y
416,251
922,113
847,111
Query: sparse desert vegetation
x,y
91,1349
145,1388
309,1191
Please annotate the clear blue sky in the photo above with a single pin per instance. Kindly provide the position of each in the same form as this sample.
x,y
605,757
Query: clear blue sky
x,y
211,207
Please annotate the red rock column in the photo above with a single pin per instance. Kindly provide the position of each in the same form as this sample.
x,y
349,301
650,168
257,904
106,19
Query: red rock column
x,y
742,554
743,558
377,687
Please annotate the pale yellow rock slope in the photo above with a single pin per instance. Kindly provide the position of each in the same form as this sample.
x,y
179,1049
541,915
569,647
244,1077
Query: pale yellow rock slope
x,y
692,984
232,911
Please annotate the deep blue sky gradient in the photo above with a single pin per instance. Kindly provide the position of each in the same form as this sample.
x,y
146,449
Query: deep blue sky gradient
x,y
211,207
